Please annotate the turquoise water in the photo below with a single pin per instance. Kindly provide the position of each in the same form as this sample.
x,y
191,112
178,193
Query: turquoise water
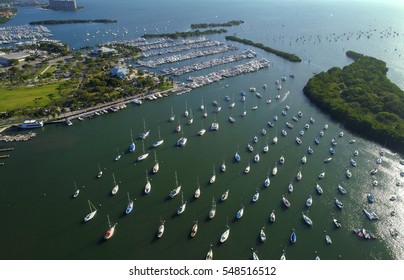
x,y
44,222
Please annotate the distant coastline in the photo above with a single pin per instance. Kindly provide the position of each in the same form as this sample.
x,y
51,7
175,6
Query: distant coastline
x,y
72,21
363,98
289,56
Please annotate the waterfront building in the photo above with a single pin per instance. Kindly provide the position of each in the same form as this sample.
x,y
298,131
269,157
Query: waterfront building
x,y
7,59
119,72
68,5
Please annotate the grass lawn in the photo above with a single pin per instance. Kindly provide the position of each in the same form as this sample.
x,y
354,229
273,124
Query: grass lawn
x,y
23,97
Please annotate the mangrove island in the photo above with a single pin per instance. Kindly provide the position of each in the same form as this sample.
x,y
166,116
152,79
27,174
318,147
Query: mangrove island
x,y
212,25
363,98
185,34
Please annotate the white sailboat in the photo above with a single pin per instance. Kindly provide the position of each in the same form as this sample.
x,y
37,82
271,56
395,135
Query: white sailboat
x,y
202,107
156,166
147,187
223,166
183,205
209,255
116,186
77,191
212,211
99,171
197,193
118,155
202,131
213,178
186,113
160,141
160,231
172,117
144,155
177,188
191,119
182,141
225,235
92,213
194,229
143,135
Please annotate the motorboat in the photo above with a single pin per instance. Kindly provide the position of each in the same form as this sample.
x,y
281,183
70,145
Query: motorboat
x,y
325,126
301,132
371,215
332,151
289,125
306,126
341,134
336,223
393,197
316,141
353,162
307,220
231,119
214,126
263,131
284,132
293,236
250,148
225,195
321,175
374,171
201,132
328,159
285,201
309,201
270,124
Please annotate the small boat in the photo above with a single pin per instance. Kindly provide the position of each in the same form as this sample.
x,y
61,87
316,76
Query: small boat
x,y
225,235
341,134
333,142
240,212
290,188
250,148
111,230
283,257
321,175
321,133
214,126
69,122
237,157
332,151
325,126
393,197
336,223
197,193
328,159
275,140
374,171
144,155
300,114
327,238
299,175
172,117
266,148
310,150
191,119
282,159
257,157
182,142
92,213
284,132
255,256
371,215
209,255
182,207
263,131
316,141
255,139
348,174
212,211
289,125
341,189
275,118
309,201
379,161
301,132
274,170
270,124
76,192
225,195
353,162
293,236
147,187
177,188
118,155
304,159
194,229
272,217
201,132
202,107
99,171
256,196
295,119
306,126
158,142
298,141
231,119
186,113
255,107
129,207
356,153
143,135
285,201
263,236
352,141
339,204
116,186
319,189
307,220
160,231
370,198
213,178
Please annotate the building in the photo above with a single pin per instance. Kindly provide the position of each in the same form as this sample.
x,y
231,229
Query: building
x,y
6,59
68,5
119,71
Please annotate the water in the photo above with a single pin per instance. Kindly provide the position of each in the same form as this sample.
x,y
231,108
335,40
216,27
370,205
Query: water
x,y
44,222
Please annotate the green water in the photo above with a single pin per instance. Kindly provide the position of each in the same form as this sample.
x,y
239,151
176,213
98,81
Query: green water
x,y
41,220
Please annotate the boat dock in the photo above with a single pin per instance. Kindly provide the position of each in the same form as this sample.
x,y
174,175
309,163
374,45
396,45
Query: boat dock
x,y
6,149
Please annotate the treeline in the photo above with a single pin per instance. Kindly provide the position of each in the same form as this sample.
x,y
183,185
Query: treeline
x,y
363,98
212,25
71,21
288,56
177,35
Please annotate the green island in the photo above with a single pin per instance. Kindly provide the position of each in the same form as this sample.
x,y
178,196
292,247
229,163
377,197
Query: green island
x,y
71,21
362,98
54,81
289,56
212,25
184,34
7,13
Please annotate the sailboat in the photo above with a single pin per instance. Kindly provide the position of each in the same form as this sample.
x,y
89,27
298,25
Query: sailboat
x,y
77,191
144,155
99,171
111,230
225,235
209,255
183,205
212,211
202,131
172,117
237,155
145,132
186,113
197,193
160,141
202,107
213,178
132,146
254,255
178,127
182,141
293,236
116,186
92,213
147,187
263,236
129,208
274,170
244,111
240,212
156,166
118,155
223,166
160,231
194,229
177,188
191,119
